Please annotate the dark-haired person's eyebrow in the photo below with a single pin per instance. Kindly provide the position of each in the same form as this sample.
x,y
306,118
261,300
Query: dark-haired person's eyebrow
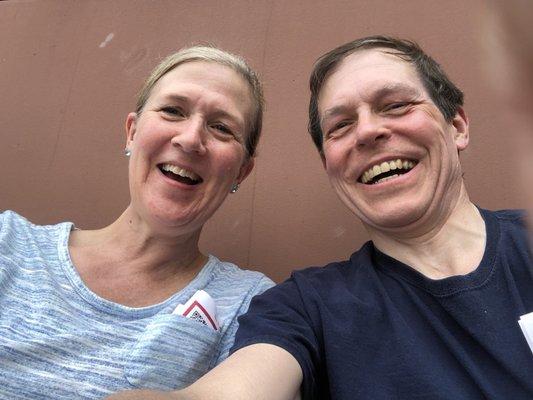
x,y
333,112
396,88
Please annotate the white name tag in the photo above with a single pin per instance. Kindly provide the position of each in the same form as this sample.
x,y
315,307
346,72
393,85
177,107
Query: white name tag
x,y
200,307
526,324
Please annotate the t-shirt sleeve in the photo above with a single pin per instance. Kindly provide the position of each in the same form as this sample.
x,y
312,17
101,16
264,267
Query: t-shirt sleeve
x,y
279,317
3,215
7,221
229,336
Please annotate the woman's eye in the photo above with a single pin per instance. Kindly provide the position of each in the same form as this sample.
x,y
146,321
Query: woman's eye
x,y
222,128
173,111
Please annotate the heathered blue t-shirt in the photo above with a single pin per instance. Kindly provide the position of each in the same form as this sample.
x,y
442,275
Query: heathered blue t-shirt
x,y
59,340
374,328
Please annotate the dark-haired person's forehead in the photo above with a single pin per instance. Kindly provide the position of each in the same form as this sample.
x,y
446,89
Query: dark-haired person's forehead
x,y
392,55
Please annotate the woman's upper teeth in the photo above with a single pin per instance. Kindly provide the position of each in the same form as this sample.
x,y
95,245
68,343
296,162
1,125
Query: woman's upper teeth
x,y
386,166
180,171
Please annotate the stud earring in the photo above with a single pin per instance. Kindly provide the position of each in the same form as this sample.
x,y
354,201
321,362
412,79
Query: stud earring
x,y
127,152
234,188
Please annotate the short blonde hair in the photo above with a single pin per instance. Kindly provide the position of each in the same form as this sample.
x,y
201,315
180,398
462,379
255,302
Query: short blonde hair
x,y
215,55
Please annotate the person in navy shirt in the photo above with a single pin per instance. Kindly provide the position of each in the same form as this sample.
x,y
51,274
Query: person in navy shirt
x,y
428,308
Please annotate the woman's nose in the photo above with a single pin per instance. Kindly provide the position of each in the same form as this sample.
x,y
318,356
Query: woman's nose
x,y
190,136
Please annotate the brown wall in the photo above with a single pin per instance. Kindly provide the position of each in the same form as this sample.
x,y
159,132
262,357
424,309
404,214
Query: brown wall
x,y
69,71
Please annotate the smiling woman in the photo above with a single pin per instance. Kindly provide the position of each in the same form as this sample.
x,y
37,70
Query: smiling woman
x,y
136,304
197,111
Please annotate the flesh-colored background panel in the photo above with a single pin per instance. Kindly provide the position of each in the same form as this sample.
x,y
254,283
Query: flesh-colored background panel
x,y
70,71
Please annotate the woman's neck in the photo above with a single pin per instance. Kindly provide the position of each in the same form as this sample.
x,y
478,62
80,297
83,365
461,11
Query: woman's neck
x,y
129,263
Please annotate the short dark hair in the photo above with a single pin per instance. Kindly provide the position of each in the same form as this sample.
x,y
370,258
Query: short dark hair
x,y
446,96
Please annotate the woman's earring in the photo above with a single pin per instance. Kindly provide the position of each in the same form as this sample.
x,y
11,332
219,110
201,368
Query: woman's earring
x,y
127,152
234,188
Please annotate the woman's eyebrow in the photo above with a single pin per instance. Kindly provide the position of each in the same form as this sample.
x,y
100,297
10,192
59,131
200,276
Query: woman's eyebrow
x,y
174,97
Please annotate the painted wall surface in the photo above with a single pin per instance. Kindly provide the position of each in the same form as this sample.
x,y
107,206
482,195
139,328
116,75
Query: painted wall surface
x,y
70,70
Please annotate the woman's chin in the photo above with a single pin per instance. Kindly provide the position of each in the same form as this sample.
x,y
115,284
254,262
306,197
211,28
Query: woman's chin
x,y
177,222
168,219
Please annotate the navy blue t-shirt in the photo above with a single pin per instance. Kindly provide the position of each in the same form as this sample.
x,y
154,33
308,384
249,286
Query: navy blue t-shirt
x,y
374,328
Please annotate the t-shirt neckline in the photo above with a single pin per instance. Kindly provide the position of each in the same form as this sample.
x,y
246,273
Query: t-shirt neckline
x,y
200,281
454,284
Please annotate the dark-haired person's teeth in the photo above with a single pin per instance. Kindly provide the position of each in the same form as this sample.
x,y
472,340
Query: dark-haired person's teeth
x,y
387,178
386,166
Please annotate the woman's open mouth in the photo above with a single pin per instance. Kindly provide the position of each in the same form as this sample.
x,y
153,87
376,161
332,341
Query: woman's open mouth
x,y
179,174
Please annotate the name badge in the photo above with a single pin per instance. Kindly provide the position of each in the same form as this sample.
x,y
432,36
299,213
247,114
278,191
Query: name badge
x,y
526,324
201,307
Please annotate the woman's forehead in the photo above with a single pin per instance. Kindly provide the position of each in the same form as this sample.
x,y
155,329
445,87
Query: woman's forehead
x,y
220,82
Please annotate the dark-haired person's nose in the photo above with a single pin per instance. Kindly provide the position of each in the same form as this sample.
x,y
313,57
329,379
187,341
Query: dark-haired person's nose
x,y
190,136
370,130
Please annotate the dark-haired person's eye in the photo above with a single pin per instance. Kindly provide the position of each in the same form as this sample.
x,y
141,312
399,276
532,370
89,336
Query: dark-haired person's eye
x,y
337,128
396,107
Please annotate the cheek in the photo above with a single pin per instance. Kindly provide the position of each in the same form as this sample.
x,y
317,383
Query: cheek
x,y
152,132
229,160
433,136
425,124
147,143
331,158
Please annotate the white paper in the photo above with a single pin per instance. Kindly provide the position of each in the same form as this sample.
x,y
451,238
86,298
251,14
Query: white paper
x,y
526,324
201,307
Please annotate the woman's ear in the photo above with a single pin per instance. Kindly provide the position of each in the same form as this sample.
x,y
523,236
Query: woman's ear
x,y
461,129
246,168
131,127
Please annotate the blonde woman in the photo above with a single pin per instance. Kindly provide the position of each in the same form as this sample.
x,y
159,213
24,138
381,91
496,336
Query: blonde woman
x,y
86,313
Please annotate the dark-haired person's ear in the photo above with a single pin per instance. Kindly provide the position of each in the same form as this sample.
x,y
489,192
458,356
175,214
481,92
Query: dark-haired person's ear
x,y
323,159
461,129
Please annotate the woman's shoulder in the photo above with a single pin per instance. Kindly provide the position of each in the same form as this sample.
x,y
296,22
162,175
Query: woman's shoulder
x,y
12,223
14,228
228,277
9,216
10,219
